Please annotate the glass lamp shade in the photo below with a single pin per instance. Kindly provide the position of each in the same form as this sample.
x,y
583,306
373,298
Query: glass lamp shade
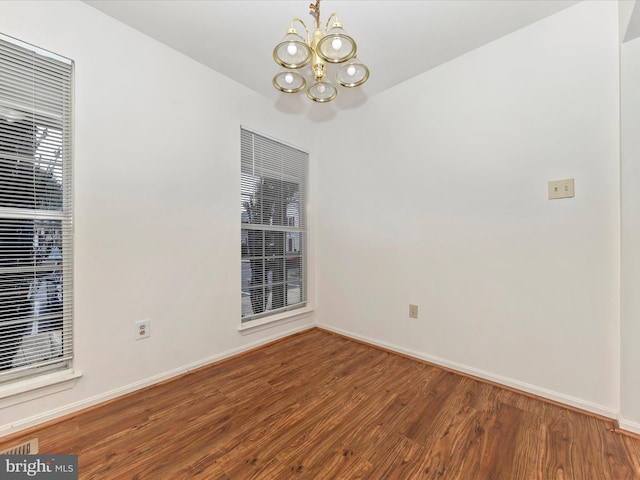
x,y
322,92
293,51
289,82
352,74
336,46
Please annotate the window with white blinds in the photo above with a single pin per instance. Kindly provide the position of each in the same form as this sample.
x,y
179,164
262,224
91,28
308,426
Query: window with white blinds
x,y
36,331
274,235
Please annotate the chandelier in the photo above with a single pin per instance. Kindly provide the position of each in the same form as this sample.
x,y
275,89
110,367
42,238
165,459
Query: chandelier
x,y
331,46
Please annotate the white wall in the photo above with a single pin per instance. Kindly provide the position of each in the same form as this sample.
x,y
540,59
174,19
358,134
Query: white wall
x,y
157,155
630,337
438,197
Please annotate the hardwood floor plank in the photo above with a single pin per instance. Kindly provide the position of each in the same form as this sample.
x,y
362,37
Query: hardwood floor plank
x,y
319,406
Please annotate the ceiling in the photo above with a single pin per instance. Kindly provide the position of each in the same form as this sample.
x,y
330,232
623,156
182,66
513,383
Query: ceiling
x,y
633,28
396,39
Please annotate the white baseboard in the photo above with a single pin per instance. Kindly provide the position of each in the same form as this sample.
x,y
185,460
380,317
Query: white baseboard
x,y
628,425
507,382
103,397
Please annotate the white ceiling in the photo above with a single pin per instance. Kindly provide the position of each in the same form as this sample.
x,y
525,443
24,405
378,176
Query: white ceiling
x,y
396,39
633,28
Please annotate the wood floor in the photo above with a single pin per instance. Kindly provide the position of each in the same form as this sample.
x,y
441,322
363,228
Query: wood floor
x,y
318,406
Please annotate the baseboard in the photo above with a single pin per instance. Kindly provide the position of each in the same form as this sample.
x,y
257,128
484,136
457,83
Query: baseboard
x,y
69,409
556,397
628,426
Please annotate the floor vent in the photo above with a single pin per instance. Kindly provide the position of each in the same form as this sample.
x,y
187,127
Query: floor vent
x,y
30,447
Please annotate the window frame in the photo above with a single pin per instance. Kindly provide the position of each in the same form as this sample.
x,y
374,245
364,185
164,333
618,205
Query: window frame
x,y
51,107
268,162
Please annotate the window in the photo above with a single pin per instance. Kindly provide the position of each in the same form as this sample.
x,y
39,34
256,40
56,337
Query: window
x,y
35,211
272,199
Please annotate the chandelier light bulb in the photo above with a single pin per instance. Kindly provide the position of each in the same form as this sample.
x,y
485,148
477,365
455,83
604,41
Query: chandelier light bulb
x,y
322,92
289,82
293,51
352,74
335,46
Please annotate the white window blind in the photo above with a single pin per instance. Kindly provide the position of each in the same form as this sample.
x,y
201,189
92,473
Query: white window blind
x,y
36,331
274,227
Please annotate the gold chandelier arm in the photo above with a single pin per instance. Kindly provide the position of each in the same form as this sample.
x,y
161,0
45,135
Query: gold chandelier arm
x,y
326,27
303,25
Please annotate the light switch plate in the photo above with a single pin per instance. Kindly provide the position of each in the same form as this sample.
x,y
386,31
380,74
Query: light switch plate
x,y
561,189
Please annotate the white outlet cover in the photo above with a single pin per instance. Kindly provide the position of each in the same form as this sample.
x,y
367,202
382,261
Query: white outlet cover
x,y
142,329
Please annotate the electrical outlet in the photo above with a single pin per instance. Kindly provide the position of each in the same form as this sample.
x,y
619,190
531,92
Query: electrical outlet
x,y
561,189
413,311
142,329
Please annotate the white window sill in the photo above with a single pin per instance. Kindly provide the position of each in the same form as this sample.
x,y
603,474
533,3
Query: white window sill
x,y
263,323
32,388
